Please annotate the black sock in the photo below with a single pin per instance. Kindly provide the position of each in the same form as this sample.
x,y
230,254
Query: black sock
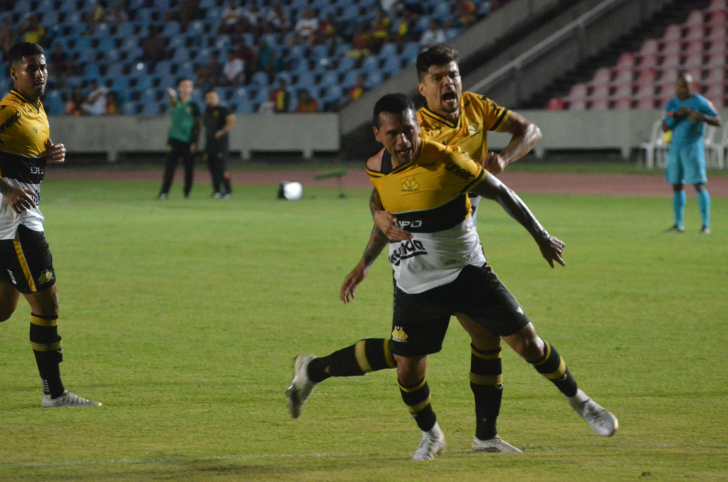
x,y
48,351
486,382
417,400
368,355
553,367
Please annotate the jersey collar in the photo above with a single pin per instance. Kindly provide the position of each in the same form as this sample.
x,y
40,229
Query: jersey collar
x,y
441,119
18,94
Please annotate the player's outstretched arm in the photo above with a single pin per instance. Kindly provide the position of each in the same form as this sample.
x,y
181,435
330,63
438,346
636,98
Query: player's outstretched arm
x,y
551,247
377,242
525,135
386,222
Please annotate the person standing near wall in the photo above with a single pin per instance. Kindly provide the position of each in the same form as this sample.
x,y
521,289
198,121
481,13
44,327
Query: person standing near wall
x,y
686,116
219,121
183,133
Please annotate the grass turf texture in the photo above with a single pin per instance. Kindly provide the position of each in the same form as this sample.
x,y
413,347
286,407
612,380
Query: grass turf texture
x,y
183,317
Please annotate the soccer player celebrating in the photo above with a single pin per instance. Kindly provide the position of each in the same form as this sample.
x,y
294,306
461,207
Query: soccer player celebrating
x,y
26,265
462,119
441,271
686,116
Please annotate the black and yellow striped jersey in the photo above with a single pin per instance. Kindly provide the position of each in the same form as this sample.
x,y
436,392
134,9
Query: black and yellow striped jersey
x,y
478,115
429,197
24,131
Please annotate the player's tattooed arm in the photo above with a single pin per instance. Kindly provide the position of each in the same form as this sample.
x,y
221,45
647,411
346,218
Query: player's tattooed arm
x,y
377,242
386,222
551,247
525,135
18,199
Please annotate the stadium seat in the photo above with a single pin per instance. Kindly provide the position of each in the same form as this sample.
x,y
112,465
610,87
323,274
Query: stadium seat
x,y
655,149
577,105
374,79
602,76
696,17
600,92
623,104
624,76
715,76
669,77
578,92
106,45
23,7
392,66
695,33
328,79
671,47
716,60
650,47
557,103
350,78
670,61
646,103
623,91
87,56
626,61
648,62
673,32
125,29
171,29
718,5
718,19
693,61
410,52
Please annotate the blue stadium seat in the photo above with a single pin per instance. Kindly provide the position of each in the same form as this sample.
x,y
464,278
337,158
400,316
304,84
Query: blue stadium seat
x,y
102,30
119,83
329,79
181,54
261,95
410,52
222,41
332,94
176,42
45,5
350,12
346,64
146,82
373,79
129,108
350,78
91,70
138,70
22,7
111,56
82,44
116,70
68,6
441,11
150,109
370,63
305,81
50,18
388,50
87,56
171,29
186,69
451,34
196,28
244,107
259,79
125,29
163,68
392,66
53,103
148,96
134,53
106,45
75,17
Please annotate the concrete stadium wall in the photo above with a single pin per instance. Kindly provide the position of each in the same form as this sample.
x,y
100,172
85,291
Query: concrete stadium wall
x,y
303,133
617,130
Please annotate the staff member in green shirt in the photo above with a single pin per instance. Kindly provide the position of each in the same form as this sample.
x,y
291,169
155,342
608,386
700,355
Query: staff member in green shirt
x,y
183,133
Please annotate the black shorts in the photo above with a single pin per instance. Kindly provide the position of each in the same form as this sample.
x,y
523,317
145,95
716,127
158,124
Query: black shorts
x,y
26,261
420,321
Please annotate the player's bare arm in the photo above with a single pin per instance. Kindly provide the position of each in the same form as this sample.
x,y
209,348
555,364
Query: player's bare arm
x,y
695,116
18,199
229,123
377,242
525,136
172,96
386,222
492,188
55,153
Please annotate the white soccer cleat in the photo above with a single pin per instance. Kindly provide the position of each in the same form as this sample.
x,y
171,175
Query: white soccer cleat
x,y
494,445
301,386
598,417
68,399
431,445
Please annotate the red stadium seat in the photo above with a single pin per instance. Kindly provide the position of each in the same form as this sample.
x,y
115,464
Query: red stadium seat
x,y
694,47
648,62
623,91
696,32
669,77
626,61
716,47
718,5
624,76
716,61
651,46
645,92
696,17
623,104
718,18
715,76
577,105
673,32
693,61
646,78
599,104
602,76
600,92
557,103
670,61
667,92
715,92
578,92
671,47
646,103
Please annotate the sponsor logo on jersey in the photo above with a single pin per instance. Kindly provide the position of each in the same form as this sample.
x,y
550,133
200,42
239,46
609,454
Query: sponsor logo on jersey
x,y
11,120
407,249
410,184
398,334
453,168
46,276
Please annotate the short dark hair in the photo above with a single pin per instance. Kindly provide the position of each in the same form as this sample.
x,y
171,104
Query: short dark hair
x,y
437,55
23,49
392,103
182,79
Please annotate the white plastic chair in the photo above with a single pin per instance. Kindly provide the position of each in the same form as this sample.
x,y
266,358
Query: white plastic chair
x,y
656,148
715,151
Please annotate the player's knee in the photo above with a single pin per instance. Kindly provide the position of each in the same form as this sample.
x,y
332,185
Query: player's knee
x,y
677,187
527,344
698,187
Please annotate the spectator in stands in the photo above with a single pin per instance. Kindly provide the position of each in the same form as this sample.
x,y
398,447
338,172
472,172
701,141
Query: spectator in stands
x,y
234,69
282,97
153,46
269,106
112,104
7,37
95,103
380,30
360,42
118,14
209,74
59,62
686,116
188,11
266,60
247,55
390,7
331,29
435,35
355,92
305,102
466,12
306,27
484,9
32,31
251,18
231,21
403,31
277,18
75,100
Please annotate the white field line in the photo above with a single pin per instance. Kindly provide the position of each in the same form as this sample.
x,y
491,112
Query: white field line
x,y
526,449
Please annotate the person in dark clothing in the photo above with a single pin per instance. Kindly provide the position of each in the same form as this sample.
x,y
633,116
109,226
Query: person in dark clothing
x,y
218,121
183,133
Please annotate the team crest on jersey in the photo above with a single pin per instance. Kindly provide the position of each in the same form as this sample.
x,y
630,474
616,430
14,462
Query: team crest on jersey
x,y
410,184
398,334
45,276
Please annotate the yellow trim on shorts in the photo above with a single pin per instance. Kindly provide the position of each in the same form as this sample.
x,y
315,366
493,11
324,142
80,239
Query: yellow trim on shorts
x,y
487,380
420,406
24,264
35,320
391,363
413,389
47,347
361,356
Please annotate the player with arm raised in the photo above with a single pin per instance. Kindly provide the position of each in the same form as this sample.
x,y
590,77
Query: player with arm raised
x,y
441,271
26,264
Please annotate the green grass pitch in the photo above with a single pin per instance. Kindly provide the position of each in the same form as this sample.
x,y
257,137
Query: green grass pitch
x,y
183,318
